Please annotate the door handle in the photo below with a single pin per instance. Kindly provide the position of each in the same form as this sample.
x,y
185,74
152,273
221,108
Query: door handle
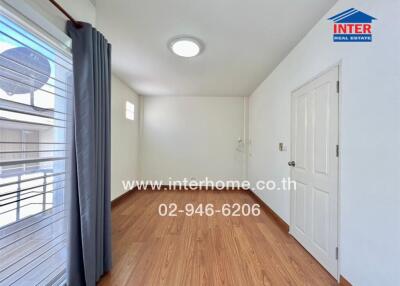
x,y
292,163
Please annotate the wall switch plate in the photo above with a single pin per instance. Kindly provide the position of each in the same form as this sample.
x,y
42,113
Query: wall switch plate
x,y
282,147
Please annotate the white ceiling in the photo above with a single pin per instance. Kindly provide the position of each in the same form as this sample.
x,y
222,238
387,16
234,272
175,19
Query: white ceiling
x,y
244,40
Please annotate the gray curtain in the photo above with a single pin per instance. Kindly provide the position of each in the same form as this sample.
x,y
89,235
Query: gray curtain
x,y
90,214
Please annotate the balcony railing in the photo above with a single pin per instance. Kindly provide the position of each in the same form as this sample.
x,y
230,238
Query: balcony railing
x,y
32,226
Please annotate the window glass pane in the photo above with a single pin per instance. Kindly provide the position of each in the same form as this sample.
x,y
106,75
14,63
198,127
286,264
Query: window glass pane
x,y
129,110
36,87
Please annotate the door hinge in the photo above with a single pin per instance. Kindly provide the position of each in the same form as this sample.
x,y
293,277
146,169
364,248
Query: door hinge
x,y
337,87
337,150
337,253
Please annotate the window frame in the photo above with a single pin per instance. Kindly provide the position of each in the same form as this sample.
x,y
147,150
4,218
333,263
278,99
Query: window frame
x,y
129,110
38,31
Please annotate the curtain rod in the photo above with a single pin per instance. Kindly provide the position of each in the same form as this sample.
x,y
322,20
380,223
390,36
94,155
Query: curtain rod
x,y
61,9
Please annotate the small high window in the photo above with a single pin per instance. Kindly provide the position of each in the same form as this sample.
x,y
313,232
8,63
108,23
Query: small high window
x,y
129,111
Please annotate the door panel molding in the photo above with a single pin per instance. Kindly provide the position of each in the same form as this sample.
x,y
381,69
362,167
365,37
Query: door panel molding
x,y
314,136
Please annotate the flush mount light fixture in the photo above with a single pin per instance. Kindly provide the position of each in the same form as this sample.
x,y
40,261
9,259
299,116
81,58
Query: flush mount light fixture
x,y
185,46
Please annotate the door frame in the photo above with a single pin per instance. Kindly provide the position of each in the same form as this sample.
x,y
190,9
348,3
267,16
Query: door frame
x,y
337,65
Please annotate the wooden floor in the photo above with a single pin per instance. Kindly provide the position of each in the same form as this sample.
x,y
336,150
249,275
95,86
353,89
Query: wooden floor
x,y
153,250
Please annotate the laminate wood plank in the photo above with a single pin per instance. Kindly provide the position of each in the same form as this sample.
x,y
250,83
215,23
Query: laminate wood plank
x,y
199,250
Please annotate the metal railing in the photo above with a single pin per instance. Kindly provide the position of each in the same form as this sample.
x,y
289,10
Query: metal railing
x,y
25,191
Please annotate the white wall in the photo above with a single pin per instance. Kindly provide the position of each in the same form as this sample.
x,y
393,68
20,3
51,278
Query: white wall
x,y
124,137
191,137
369,137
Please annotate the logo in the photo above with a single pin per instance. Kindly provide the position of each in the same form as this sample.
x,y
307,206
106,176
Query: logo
x,y
352,26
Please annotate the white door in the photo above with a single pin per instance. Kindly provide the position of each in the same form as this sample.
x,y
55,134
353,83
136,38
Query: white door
x,y
314,167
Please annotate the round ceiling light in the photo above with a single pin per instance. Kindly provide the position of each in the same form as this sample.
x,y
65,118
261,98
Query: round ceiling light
x,y
186,47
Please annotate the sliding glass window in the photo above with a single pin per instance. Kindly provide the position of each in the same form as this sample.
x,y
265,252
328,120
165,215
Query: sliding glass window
x,y
35,123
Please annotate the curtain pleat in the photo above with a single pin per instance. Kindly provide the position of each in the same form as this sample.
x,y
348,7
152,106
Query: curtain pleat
x,y
90,241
